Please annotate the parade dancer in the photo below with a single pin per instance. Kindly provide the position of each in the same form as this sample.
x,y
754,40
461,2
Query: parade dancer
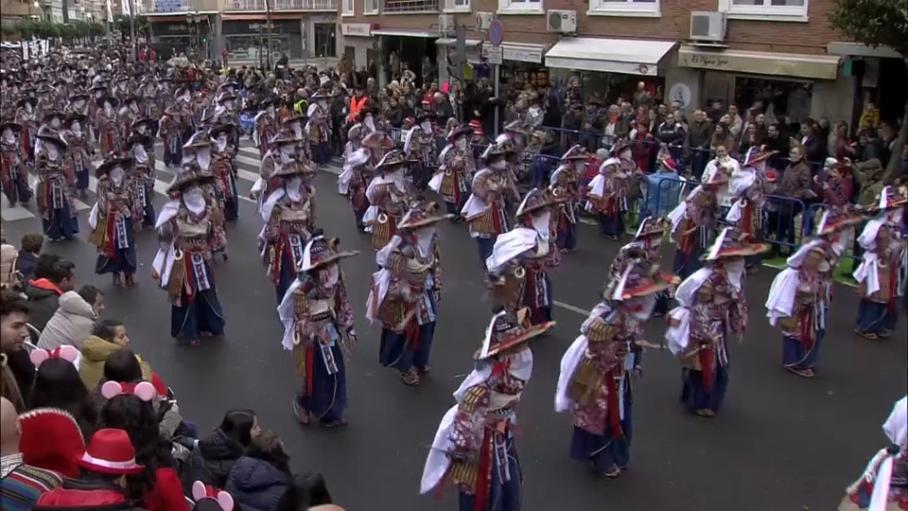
x,y
183,105
107,126
607,198
534,222
881,275
129,113
419,145
77,105
795,306
79,149
745,187
197,152
645,246
884,484
54,197
319,127
484,211
456,169
111,220
712,307
223,153
27,117
318,321
182,266
13,171
266,125
595,380
563,186
515,134
289,215
693,223
389,196
475,447
353,180
171,134
141,180
405,293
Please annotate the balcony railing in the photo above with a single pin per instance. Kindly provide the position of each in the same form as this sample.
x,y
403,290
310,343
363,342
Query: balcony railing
x,y
399,6
281,5
170,6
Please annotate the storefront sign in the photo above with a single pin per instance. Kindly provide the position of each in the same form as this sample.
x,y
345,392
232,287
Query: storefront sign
x,y
255,27
791,65
357,29
518,53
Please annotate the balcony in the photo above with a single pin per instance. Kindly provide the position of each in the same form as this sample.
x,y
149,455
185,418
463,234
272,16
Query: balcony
x,y
180,6
409,6
281,5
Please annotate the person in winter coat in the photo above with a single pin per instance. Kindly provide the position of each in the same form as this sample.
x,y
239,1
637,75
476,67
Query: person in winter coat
x,y
108,337
259,479
53,277
74,320
216,453
28,255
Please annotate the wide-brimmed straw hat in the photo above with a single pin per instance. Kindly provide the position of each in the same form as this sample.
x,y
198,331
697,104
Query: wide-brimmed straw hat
x,y
534,200
731,243
508,331
392,160
321,251
421,214
107,165
577,152
462,130
639,278
834,219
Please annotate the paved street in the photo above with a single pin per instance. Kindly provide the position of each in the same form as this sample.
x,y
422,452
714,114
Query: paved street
x,y
782,443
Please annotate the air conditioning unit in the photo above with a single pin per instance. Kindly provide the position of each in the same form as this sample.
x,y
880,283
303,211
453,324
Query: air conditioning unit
x,y
483,20
707,26
563,22
445,23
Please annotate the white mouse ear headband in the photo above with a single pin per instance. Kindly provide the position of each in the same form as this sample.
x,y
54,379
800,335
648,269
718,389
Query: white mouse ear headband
x,y
142,390
67,353
200,492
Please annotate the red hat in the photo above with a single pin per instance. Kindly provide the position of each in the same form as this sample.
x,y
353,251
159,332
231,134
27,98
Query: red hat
x,y
50,439
477,127
670,164
110,452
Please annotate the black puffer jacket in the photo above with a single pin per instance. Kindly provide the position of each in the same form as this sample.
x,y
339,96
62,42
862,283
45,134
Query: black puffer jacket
x,y
213,457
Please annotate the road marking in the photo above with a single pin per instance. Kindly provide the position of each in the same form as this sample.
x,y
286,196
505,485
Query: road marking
x,y
572,308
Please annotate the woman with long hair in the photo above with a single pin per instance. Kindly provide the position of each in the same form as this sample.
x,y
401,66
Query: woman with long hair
x,y
217,452
58,385
158,485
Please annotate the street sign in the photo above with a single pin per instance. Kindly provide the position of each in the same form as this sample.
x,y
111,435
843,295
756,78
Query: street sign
x,y
496,33
494,54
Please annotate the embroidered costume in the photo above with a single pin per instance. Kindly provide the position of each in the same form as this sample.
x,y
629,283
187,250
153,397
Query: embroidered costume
x,y
455,170
54,194
564,186
484,210
389,195
111,220
13,160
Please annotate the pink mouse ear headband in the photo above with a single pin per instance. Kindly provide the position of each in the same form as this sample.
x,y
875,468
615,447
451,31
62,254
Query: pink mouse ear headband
x,y
142,390
67,353
201,491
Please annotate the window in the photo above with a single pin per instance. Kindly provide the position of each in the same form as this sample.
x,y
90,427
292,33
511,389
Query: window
x,y
457,5
520,7
370,7
324,39
796,10
647,8
349,8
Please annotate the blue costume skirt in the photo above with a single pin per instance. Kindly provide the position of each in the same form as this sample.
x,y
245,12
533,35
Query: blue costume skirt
x,y
321,153
604,451
796,356
611,225
567,236
539,313
124,260
287,276
148,213
396,352
327,398
876,318
19,190
504,495
61,224
485,248
232,204
202,314
82,179
694,394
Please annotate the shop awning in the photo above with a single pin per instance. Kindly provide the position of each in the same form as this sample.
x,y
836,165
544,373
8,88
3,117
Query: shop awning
x,y
848,49
515,52
793,65
629,56
406,33
256,16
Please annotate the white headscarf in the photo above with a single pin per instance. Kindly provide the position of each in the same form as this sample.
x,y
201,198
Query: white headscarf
x,y
194,200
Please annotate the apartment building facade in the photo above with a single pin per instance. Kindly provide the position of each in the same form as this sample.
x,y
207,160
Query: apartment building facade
x,y
300,29
778,48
